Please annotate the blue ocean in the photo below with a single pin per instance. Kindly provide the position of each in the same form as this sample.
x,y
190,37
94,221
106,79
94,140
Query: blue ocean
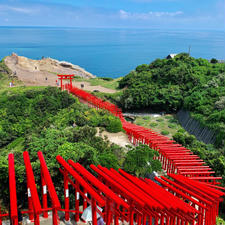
x,y
109,52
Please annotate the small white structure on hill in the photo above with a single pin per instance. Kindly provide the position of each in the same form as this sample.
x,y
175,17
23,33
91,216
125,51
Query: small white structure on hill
x,y
171,56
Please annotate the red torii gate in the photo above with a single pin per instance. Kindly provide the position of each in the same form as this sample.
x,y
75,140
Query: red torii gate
x,y
179,201
112,201
13,215
62,77
210,197
136,198
33,199
34,206
95,101
47,182
12,187
95,197
157,202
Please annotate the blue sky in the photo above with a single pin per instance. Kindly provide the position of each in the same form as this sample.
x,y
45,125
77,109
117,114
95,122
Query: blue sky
x,y
182,14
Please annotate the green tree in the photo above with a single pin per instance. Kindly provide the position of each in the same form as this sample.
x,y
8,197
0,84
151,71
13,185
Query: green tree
x,y
213,60
113,124
109,160
139,161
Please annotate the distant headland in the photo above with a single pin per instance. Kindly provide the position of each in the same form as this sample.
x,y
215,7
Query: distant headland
x,y
40,72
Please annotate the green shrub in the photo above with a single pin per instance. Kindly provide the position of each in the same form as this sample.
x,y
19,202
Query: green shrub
x,y
153,124
28,111
181,130
165,132
172,120
163,84
171,125
113,124
81,120
139,161
213,60
160,120
108,160
220,221
179,138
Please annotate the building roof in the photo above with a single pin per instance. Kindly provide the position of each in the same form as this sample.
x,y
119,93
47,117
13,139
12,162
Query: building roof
x,y
171,56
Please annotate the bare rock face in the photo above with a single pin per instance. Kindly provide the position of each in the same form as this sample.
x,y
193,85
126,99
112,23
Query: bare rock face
x,y
34,71
47,64
28,64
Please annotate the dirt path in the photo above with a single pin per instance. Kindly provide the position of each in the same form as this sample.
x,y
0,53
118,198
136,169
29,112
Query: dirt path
x,y
119,138
89,87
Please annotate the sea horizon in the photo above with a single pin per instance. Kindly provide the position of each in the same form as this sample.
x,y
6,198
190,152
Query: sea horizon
x,y
118,28
109,52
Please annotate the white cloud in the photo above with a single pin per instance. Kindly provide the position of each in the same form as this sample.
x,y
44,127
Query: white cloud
x,y
149,15
65,15
21,10
7,8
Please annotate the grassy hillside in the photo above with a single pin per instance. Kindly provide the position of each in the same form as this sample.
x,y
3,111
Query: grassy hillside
x,y
55,122
101,81
166,125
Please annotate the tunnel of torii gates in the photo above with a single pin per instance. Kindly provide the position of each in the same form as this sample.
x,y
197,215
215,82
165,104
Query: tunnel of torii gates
x,y
188,195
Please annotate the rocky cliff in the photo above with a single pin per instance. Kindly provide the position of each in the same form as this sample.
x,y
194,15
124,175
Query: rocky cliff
x,y
42,72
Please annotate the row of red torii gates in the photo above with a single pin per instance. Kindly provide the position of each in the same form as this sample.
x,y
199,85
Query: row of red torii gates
x,y
174,157
176,201
189,196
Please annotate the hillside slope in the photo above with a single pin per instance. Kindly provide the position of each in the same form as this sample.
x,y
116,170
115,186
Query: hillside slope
x,y
182,82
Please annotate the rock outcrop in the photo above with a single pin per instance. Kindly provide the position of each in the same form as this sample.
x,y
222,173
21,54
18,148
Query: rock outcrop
x,y
15,63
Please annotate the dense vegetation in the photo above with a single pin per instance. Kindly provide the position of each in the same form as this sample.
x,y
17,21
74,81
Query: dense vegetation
x,y
182,82
207,104
54,122
164,84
